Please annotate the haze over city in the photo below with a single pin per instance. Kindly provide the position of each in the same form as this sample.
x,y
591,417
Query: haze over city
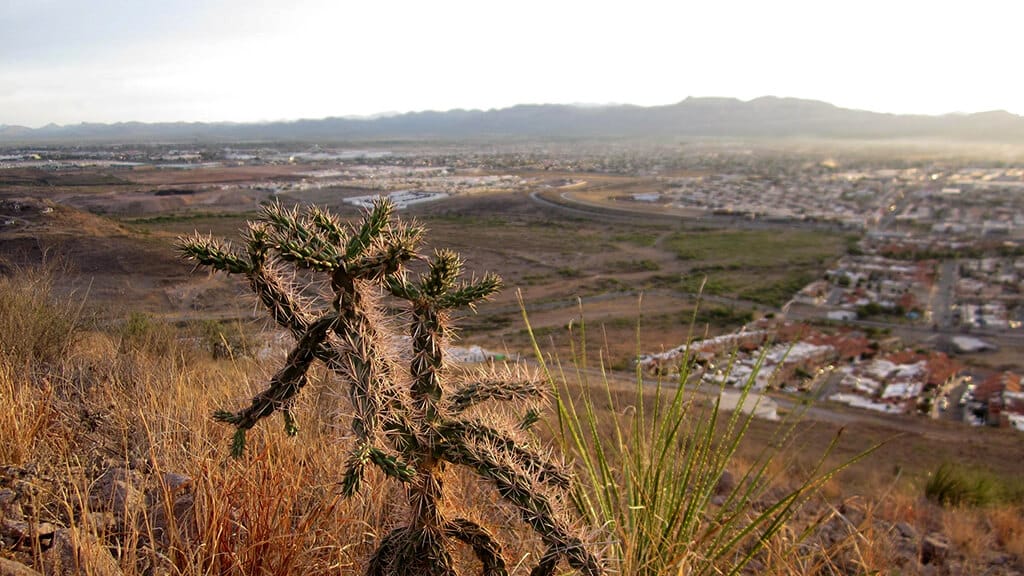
x,y
225,60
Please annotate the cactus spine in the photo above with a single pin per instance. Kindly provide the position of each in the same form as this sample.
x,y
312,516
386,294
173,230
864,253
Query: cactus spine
x,y
403,423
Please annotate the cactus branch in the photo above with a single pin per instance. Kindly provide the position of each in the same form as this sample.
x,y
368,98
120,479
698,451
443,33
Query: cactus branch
x,y
492,387
206,251
375,221
286,383
486,549
477,433
534,508
403,423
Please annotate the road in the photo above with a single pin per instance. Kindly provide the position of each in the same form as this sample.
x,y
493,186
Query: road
x,y
576,207
942,309
818,411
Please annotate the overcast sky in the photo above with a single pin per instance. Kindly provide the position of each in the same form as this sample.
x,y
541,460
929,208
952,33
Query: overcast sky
x,y
70,61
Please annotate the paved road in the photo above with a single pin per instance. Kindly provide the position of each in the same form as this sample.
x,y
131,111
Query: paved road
x,y
819,412
576,207
942,310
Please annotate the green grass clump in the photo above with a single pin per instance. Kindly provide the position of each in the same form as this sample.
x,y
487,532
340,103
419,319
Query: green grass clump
x,y
642,239
779,292
627,266
756,248
763,266
657,469
954,485
722,315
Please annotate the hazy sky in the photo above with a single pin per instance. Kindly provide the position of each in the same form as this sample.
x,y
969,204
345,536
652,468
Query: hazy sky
x,y
69,61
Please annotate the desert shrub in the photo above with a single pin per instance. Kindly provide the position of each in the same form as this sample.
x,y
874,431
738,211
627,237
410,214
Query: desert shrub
x,y
35,325
141,332
777,293
225,340
626,266
723,315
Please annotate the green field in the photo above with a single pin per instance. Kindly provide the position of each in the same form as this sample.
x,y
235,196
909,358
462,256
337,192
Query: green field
x,y
763,266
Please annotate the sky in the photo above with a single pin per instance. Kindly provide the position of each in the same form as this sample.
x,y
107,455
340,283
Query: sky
x,y
71,61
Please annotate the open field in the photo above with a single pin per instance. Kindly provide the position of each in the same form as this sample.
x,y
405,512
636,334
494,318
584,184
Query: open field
x,y
550,258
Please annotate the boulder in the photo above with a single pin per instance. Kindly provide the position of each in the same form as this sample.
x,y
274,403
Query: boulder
x,y
907,531
118,490
9,505
934,549
153,563
76,552
12,568
173,521
726,483
20,534
173,482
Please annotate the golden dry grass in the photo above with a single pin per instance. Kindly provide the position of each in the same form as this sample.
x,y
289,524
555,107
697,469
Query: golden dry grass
x,y
144,398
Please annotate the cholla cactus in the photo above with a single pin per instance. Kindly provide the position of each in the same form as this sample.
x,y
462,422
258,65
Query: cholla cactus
x,y
404,422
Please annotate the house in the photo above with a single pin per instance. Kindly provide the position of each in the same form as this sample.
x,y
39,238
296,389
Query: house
x,y
1001,396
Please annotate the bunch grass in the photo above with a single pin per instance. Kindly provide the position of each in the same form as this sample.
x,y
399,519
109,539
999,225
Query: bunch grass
x,y
658,467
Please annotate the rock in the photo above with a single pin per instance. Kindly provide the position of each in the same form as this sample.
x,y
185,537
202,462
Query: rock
x,y
906,530
12,568
726,483
103,523
141,464
174,482
76,552
9,505
934,549
836,529
853,512
116,490
153,563
173,523
19,534
999,559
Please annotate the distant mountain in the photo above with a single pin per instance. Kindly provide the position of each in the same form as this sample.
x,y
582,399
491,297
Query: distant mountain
x,y
767,117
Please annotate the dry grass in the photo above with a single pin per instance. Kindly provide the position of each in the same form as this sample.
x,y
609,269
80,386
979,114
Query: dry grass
x,y
144,399
275,512
967,532
1007,526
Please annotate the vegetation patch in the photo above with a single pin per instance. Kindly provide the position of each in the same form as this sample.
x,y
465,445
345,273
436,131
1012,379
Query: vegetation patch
x,y
763,266
958,485
757,248
637,238
629,266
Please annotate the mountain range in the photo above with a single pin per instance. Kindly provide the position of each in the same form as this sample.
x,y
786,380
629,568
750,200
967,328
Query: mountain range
x,y
768,117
